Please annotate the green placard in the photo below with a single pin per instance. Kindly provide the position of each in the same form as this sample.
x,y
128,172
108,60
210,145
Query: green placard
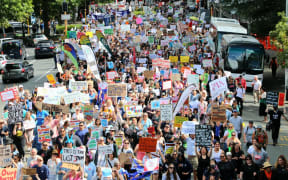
x,y
151,39
108,31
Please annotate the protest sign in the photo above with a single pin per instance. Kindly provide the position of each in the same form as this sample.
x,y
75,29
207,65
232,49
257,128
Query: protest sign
x,y
155,104
29,171
43,134
29,124
218,87
104,122
118,140
169,148
125,158
70,166
52,100
5,156
41,91
188,127
72,97
141,60
203,135
7,95
151,164
73,155
8,173
184,59
134,111
92,144
78,85
148,74
139,20
14,89
91,61
111,75
218,113
186,73
173,59
71,34
272,98
151,39
166,112
51,78
159,62
179,120
105,149
88,112
167,85
147,144
74,124
95,134
175,77
281,99
207,63
140,69
125,27
193,79
117,90
108,31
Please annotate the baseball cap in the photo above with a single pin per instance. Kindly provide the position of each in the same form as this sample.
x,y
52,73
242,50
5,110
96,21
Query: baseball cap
x,y
228,154
259,126
21,86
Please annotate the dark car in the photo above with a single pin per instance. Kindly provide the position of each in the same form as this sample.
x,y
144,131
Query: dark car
x,y
14,48
44,49
17,70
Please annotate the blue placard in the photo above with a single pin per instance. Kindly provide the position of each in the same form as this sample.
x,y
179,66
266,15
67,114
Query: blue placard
x,y
104,122
155,104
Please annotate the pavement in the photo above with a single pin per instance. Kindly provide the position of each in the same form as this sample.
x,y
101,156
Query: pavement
x,y
45,66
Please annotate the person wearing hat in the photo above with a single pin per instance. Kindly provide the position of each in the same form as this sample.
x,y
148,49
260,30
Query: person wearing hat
x,y
237,122
248,133
275,118
267,173
21,90
261,136
52,165
71,137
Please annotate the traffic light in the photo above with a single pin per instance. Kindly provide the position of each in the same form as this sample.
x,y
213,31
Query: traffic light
x,y
65,6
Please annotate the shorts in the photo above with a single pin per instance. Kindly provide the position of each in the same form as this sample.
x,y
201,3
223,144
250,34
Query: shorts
x,y
194,162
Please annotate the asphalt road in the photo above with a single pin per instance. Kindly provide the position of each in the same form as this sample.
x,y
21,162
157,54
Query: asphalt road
x,y
42,67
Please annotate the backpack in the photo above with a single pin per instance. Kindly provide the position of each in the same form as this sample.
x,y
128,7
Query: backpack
x,y
260,137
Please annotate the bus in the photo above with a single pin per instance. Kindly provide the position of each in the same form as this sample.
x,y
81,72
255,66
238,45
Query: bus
x,y
243,55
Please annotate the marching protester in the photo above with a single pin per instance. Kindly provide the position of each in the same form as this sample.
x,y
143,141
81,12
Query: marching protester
x,y
139,97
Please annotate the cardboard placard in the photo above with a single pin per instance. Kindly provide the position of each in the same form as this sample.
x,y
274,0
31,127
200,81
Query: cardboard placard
x,y
179,120
147,144
8,173
176,77
38,105
203,135
29,171
166,112
125,158
117,90
219,113
70,166
148,74
51,78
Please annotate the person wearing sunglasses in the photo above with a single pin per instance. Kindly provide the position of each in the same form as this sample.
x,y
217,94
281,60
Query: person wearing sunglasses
x,y
171,173
249,170
227,168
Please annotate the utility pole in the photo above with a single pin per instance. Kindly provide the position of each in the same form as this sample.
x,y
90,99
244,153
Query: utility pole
x,y
65,9
28,30
85,13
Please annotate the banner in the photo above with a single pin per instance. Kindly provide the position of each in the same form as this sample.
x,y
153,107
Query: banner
x,y
43,134
203,135
78,85
188,127
183,98
29,171
7,95
71,53
73,155
179,120
217,87
8,173
103,40
117,90
166,112
147,144
91,61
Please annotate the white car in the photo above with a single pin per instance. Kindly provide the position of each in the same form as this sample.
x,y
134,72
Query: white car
x,y
39,37
3,60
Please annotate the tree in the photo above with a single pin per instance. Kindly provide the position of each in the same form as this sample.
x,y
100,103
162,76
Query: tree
x,y
261,14
16,10
280,39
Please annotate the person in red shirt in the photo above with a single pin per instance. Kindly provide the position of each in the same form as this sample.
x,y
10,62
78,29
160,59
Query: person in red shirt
x,y
241,80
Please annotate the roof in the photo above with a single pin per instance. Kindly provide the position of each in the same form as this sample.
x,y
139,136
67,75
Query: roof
x,y
228,25
13,40
224,20
237,38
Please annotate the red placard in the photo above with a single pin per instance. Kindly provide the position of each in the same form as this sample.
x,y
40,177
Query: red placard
x,y
14,89
7,95
281,99
111,75
151,130
147,144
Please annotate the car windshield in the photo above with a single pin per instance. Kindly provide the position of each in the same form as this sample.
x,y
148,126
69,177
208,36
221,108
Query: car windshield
x,y
39,36
245,59
12,66
10,46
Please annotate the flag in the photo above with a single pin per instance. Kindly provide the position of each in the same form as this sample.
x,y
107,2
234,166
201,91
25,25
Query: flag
x,y
69,50
84,40
103,40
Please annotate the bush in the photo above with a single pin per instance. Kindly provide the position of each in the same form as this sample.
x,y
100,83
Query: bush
x,y
60,28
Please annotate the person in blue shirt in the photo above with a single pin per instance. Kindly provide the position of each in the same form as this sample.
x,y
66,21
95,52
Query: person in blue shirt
x,y
61,171
90,168
42,169
82,131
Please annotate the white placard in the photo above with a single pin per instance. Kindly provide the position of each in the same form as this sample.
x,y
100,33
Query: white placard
x,y
72,97
166,112
188,127
207,63
105,149
29,124
193,79
217,87
78,85
125,27
73,155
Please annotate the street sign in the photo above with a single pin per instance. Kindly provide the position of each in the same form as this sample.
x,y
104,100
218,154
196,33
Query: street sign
x,y
65,17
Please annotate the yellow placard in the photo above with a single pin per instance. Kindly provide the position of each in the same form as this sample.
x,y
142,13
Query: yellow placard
x,y
70,166
89,34
184,59
173,59
179,120
158,47
169,150
51,78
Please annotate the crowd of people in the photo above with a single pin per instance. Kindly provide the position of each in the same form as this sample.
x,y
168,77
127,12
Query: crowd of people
x,y
236,152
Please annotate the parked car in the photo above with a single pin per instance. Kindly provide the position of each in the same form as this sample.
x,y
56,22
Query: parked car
x,y
17,70
3,60
14,48
38,37
3,40
44,49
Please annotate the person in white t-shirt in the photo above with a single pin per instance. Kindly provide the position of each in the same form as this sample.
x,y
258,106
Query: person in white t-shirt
x,y
191,152
256,84
240,94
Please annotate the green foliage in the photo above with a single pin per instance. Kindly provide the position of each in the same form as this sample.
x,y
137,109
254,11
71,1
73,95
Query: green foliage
x,y
139,13
16,10
60,28
280,39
